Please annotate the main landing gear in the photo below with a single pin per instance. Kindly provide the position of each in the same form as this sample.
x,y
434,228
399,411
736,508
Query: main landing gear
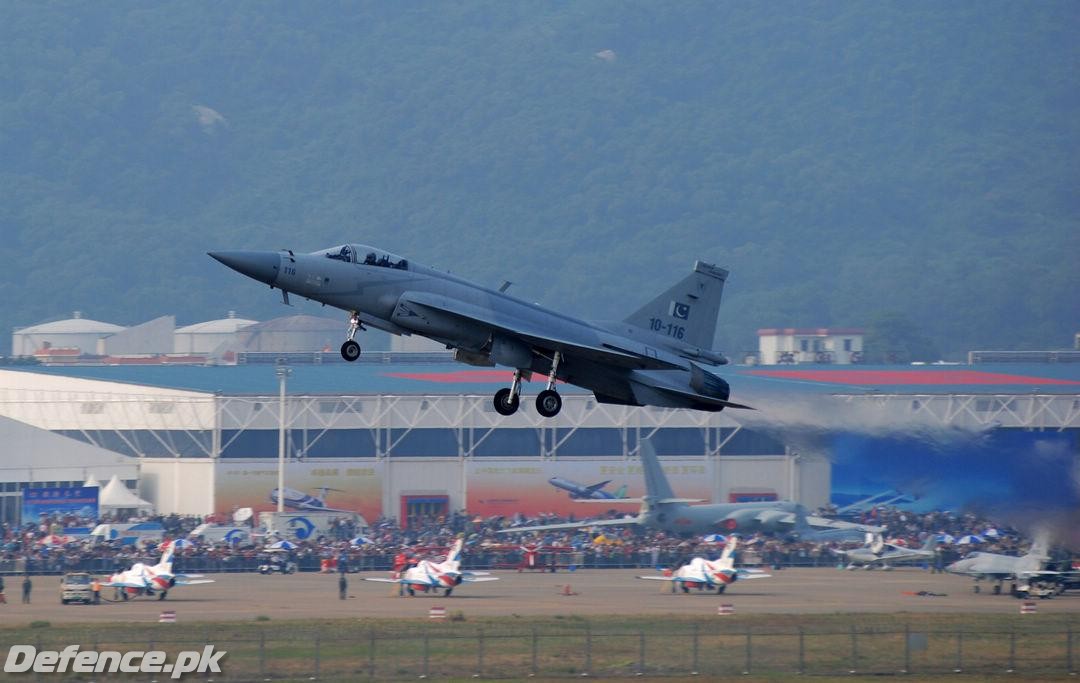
x,y
350,350
548,401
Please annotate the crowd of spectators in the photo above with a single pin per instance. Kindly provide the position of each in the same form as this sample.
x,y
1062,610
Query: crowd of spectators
x,y
44,547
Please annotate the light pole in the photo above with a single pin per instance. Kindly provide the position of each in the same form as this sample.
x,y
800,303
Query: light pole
x,y
282,373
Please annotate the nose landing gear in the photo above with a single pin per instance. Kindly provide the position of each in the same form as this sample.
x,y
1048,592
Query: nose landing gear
x,y
350,350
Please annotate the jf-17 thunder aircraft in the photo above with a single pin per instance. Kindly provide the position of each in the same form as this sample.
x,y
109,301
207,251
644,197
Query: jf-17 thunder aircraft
x,y
431,576
661,510
1025,572
703,574
656,356
145,579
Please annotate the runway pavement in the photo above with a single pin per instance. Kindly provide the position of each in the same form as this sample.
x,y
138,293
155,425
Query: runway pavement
x,y
240,597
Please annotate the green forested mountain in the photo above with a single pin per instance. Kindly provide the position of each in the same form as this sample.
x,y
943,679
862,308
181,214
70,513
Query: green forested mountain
x,y
846,161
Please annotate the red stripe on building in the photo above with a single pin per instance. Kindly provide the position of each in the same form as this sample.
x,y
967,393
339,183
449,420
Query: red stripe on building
x,y
910,377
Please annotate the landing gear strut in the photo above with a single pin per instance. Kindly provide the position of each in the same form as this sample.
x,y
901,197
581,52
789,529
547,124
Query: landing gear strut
x,y
350,350
508,400
548,401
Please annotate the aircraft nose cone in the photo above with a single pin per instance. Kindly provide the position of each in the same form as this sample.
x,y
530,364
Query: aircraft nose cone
x,y
258,265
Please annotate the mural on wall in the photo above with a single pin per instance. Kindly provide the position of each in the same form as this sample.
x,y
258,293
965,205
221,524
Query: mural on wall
x,y
1002,469
353,486
530,487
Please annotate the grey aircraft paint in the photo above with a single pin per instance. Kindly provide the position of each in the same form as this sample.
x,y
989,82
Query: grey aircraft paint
x,y
654,357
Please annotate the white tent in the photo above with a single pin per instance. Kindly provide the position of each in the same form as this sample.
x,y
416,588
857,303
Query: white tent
x,y
115,496
92,482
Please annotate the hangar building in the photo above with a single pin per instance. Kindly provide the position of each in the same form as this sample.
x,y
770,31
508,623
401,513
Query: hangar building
x,y
386,436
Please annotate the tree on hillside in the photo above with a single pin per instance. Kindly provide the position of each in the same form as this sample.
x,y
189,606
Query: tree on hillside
x,y
893,338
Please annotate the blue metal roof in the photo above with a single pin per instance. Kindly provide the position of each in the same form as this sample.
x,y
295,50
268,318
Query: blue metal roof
x,y
448,378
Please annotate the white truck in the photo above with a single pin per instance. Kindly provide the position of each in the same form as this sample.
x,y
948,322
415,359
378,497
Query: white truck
x,y
305,526
128,534
229,535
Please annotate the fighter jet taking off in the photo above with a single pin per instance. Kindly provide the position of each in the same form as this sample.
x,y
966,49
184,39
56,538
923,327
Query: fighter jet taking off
x,y
656,356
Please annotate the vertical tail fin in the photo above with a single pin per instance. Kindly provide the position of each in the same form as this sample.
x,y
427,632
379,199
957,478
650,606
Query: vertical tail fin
x,y
729,547
166,556
688,310
656,482
455,551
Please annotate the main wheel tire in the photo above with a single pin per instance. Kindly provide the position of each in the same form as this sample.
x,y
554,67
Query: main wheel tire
x,y
504,404
548,403
350,350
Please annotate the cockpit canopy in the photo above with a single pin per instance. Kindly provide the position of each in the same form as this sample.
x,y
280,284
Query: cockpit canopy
x,y
366,256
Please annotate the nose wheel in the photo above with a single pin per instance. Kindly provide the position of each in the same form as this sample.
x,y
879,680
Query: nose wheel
x,y
350,350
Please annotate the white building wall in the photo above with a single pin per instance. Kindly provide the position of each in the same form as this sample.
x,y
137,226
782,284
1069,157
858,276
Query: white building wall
x,y
751,474
182,486
416,476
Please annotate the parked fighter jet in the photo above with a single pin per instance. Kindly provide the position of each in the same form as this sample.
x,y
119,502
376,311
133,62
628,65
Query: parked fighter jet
x,y
144,579
431,576
877,552
593,491
1021,571
660,509
653,357
705,575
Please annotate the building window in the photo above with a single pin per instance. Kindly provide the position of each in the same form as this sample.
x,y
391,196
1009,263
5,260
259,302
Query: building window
x,y
804,345
847,345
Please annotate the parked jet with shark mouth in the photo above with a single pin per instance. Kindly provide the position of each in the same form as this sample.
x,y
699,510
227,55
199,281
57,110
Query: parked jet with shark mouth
x,y
144,579
656,356
594,491
428,576
661,510
704,574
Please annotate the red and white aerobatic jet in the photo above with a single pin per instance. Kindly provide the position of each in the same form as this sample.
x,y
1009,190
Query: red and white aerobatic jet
x,y
145,579
428,576
705,575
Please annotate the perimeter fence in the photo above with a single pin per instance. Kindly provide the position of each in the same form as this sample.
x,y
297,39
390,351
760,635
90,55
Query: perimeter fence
x,y
709,650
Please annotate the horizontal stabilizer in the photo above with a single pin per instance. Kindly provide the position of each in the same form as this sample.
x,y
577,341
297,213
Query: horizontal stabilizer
x,y
608,501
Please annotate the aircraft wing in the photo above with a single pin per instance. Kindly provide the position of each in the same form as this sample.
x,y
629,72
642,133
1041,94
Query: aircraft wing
x,y
125,584
573,525
658,578
753,574
189,582
537,337
478,579
382,580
